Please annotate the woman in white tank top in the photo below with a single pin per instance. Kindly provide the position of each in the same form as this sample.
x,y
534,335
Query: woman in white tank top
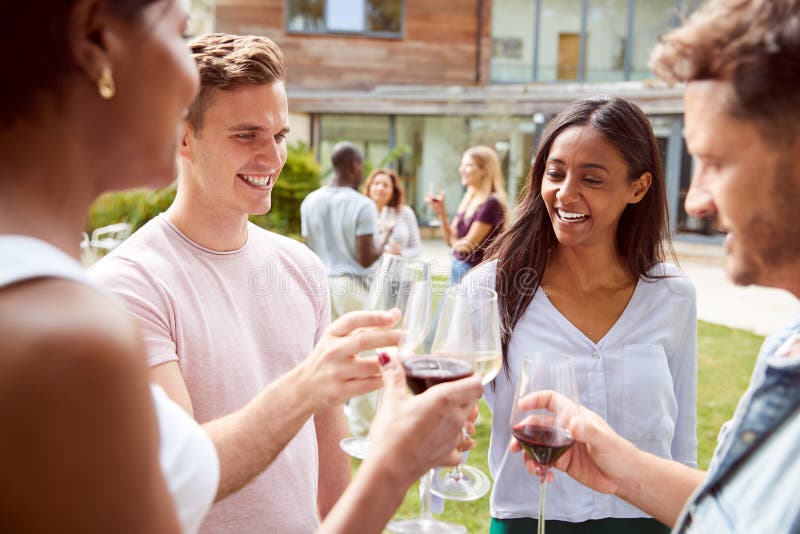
x,y
91,102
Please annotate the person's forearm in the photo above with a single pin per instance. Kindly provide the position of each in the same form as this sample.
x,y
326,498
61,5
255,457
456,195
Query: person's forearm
x,y
447,233
658,486
248,440
370,500
367,252
334,464
365,260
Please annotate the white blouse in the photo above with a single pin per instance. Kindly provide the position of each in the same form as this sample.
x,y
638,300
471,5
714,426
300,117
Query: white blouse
x,y
641,377
404,233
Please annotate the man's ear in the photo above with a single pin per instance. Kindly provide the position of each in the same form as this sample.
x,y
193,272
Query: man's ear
x,y
640,187
185,150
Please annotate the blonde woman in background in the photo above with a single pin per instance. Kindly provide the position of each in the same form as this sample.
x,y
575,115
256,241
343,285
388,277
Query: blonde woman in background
x,y
480,216
397,224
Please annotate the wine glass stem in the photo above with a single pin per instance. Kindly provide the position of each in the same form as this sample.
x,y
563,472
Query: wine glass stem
x,y
455,474
542,489
425,499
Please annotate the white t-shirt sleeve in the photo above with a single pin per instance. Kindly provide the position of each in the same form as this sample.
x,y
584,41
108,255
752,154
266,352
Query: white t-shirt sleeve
x,y
303,217
146,299
367,220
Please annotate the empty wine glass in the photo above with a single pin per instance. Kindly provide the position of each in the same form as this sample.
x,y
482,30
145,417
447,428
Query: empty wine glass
x,y
468,329
387,219
542,431
405,285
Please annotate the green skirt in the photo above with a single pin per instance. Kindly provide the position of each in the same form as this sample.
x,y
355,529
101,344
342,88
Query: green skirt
x,y
612,525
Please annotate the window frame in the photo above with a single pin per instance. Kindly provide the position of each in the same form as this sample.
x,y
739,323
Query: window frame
x,y
400,34
679,8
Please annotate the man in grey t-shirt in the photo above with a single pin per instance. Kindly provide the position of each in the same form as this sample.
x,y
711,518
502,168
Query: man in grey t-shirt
x,y
338,224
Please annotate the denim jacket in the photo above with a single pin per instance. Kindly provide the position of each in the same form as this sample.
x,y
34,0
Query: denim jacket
x,y
754,481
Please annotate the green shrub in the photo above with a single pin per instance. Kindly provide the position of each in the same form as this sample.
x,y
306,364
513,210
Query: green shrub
x,y
135,206
300,176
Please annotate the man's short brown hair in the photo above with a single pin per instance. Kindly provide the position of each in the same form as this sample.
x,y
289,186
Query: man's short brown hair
x,y
226,61
754,45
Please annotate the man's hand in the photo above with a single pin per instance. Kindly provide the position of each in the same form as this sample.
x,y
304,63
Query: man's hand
x,y
599,458
606,462
424,430
333,372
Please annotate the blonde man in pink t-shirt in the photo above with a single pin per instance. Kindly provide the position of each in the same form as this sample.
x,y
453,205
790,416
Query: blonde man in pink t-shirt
x,y
226,307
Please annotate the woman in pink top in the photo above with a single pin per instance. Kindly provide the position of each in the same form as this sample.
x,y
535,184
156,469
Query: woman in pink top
x,y
83,435
480,216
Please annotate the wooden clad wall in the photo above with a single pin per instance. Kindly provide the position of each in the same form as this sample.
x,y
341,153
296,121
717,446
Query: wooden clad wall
x,y
438,47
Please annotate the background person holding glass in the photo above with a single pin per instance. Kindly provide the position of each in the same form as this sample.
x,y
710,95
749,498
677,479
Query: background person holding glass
x,y
581,272
398,230
480,216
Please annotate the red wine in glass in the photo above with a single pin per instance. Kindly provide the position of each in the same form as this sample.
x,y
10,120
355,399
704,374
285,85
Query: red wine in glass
x,y
545,444
425,371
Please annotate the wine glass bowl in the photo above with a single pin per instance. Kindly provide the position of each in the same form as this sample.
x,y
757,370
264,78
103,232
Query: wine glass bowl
x,y
468,331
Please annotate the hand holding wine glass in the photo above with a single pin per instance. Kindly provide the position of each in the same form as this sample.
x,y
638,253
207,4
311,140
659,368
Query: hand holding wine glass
x,y
398,284
332,373
600,456
423,429
436,201
542,428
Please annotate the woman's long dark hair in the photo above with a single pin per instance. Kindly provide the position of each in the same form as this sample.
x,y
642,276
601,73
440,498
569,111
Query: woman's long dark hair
x,y
643,231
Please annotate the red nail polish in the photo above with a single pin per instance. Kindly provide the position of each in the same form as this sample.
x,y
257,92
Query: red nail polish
x,y
383,359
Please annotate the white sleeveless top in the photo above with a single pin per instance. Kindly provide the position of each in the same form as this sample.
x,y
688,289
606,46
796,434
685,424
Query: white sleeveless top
x,y
188,459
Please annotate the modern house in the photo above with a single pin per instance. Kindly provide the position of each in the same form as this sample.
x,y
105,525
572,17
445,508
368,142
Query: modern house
x,y
437,76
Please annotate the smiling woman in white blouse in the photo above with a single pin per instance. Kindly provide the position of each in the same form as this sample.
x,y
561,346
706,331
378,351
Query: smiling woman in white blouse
x,y
395,219
581,272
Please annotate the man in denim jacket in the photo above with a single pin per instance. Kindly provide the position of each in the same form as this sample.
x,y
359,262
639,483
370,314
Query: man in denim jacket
x,y
741,62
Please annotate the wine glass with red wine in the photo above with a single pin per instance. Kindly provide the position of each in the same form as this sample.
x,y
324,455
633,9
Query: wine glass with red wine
x,y
406,285
428,367
469,330
542,432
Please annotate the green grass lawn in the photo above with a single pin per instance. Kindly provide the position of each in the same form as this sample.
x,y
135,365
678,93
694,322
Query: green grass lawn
x,y
726,359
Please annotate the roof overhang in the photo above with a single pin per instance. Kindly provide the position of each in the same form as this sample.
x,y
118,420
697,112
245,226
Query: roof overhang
x,y
655,98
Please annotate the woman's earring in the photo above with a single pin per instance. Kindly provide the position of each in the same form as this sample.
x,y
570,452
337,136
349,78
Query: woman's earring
x,y
105,84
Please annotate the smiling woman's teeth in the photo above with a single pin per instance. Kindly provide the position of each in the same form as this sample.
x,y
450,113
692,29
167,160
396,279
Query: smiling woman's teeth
x,y
571,216
255,180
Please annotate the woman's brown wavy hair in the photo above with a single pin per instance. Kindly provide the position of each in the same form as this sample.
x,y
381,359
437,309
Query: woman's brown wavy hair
x,y
643,230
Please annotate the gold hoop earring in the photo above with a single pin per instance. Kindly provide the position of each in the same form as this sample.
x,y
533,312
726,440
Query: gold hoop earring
x,y
105,84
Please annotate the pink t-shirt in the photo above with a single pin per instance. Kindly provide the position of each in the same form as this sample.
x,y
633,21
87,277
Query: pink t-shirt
x,y
234,321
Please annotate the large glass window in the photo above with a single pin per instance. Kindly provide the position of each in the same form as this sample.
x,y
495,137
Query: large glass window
x,y
559,40
606,40
651,20
556,40
372,17
370,133
513,31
